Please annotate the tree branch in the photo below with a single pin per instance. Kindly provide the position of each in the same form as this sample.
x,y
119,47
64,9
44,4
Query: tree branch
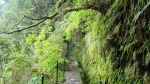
x,y
51,17
18,22
33,18
78,8
31,26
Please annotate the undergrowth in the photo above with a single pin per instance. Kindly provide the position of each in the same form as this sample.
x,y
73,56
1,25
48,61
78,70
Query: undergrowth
x,y
112,48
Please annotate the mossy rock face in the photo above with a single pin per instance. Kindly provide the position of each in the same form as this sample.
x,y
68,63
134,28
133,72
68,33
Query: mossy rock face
x,y
121,54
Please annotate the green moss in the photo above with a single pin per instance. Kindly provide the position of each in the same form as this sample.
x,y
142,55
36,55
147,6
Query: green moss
x,y
112,48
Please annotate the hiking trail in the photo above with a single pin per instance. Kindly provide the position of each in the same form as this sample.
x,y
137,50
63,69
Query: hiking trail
x,y
72,75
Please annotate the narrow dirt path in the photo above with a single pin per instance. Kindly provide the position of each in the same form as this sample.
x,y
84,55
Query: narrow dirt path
x,y
72,75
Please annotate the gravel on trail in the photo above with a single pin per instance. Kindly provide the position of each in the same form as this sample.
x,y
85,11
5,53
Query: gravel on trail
x,y
72,75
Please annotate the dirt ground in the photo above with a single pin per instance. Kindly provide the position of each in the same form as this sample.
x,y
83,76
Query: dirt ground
x,y
72,75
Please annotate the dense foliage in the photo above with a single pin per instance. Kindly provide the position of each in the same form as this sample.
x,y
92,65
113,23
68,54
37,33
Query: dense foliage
x,y
115,44
110,39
